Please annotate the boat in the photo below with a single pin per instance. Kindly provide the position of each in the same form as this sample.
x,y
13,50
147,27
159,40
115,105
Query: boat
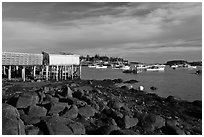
x,y
141,66
192,67
174,66
101,67
156,68
92,66
125,68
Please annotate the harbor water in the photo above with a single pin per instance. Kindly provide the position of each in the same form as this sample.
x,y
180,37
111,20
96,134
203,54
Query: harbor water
x,y
181,83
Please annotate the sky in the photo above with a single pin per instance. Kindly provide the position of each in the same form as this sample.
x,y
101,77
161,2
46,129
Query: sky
x,y
145,32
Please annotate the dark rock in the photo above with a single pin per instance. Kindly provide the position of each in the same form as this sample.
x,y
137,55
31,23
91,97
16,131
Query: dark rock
x,y
72,112
106,130
85,89
170,99
11,122
37,111
65,92
32,130
87,111
27,99
57,107
128,122
123,132
117,81
115,104
197,103
151,122
131,81
51,99
78,94
153,88
77,128
172,128
58,126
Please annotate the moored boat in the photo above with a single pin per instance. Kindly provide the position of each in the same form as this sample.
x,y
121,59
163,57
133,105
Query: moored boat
x,y
156,68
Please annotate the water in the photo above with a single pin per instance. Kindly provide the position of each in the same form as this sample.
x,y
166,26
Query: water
x,y
181,83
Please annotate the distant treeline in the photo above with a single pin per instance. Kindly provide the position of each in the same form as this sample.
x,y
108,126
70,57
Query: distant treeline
x,y
103,58
177,62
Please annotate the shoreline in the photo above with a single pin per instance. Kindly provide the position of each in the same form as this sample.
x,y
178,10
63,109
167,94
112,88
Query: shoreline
x,y
100,107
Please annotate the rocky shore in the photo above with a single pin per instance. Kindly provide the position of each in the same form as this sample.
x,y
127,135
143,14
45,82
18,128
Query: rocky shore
x,y
92,107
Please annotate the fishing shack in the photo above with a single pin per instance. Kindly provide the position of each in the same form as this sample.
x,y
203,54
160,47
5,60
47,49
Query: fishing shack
x,y
46,66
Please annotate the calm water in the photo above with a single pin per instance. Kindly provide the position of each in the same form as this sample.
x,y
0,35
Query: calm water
x,y
181,83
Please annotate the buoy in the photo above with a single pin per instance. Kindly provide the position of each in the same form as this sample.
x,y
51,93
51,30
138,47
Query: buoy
x,y
141,88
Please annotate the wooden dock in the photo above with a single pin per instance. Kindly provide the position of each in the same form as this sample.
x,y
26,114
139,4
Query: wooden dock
x,y
45,66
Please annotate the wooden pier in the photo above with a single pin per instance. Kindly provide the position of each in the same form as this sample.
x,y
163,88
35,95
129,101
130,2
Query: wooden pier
x,y
41,66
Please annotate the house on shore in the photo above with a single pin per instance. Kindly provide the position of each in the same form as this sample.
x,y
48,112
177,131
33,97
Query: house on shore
x,y
46,65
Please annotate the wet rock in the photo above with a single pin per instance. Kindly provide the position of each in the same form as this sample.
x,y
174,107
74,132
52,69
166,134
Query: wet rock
x,y
78,94
57,107
65,92
11,122
85,89
32,130
172,128
77,128
27,99
153,88
131,81
106,130
37,111
72,112
116,104
152,122
128,122
170,99
117,81
87,111
123,132
58,126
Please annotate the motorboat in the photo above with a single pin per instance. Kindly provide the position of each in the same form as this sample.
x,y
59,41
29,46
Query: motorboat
x,y
156,68
101,67
125,68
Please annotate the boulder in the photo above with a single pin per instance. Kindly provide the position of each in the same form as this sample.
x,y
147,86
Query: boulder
x,y
11,122
172,128
77,128
85,89
123,132
65,92
106,130
115,104
37,111
87,111
128,122
27,99
57,107
58,126
72,112
32,130
150,122
78,94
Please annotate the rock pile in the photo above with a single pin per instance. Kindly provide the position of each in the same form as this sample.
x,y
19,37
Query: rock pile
x,y
99,108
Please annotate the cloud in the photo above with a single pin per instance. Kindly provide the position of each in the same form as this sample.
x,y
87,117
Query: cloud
x,y
114,29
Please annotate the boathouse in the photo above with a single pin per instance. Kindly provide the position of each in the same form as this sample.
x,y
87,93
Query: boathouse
x,y
45,66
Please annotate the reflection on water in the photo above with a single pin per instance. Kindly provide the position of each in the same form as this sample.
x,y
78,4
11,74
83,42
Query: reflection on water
x,y
181,83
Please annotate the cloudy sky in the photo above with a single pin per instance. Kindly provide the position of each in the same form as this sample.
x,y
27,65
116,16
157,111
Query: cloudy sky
x,y
146,32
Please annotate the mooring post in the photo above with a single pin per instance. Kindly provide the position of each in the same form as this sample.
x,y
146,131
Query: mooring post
x,y
65,72
4,70
47,69
9,72
34,68
72,73
23,73
57,71
80,71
